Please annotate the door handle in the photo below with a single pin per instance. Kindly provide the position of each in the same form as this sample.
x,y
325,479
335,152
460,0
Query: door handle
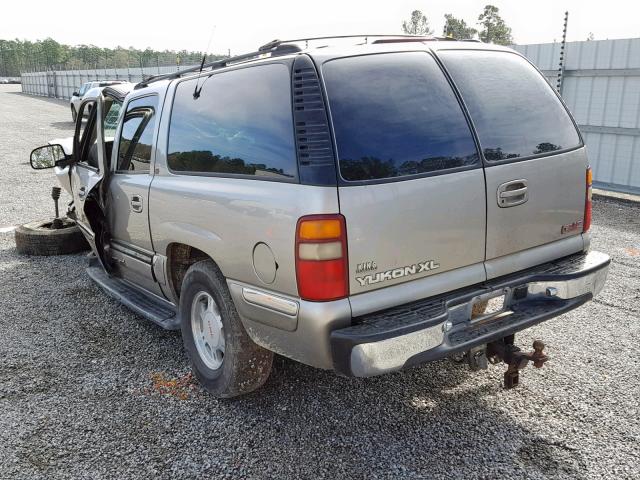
x,y
136,203
512,193
82,192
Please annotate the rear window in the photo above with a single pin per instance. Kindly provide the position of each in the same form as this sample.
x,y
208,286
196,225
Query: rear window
x,y
513,108
395,115
242,124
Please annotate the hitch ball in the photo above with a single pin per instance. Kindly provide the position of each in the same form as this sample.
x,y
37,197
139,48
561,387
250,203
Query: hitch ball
x,y
504,350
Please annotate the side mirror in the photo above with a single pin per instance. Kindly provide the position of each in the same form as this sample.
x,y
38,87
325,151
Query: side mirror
x,y
75,94
47,156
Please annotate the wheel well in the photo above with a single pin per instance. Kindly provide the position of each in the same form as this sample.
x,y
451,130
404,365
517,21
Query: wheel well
x,y
179,258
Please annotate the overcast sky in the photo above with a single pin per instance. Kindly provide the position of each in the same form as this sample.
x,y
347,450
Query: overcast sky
x,y
243,25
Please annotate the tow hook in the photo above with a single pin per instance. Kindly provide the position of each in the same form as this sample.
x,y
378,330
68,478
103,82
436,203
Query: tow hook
x,y
505,351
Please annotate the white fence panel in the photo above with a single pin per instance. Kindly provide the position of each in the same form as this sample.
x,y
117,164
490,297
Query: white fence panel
x,y
601,87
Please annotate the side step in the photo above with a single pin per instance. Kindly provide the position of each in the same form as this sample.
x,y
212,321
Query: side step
x,y
145,304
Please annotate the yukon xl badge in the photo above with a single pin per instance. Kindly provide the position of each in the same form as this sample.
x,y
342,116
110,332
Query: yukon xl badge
x,y
394,273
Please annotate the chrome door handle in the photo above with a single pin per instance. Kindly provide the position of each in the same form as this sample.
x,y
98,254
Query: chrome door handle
x,y
136,203
82,192
512,193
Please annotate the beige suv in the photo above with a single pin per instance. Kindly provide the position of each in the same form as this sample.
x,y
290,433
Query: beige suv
x,y
362,207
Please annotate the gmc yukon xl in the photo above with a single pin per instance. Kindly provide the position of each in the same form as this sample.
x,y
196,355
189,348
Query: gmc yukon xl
x,y
361,207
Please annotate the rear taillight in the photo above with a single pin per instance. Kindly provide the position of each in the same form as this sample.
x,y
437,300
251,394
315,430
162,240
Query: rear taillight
x,y
321,257
586,223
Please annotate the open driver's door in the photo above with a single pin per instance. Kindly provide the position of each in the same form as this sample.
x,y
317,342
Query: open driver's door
x,y
90,164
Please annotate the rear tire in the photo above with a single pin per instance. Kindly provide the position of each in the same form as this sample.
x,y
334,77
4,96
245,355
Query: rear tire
x,y
38,238
74,114
223,357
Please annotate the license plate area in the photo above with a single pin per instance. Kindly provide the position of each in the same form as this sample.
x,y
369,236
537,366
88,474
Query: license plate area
x,y
490,305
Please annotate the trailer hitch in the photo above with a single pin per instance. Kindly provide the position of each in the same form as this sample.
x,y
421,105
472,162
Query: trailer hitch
x,y
505,351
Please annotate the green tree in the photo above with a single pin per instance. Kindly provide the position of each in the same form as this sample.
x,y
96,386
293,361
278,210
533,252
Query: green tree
x,y
417,24
51,52
457,28
494,29
18,56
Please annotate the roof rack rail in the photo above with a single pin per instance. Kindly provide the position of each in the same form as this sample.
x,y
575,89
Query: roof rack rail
x,y
282,47
275,48
333,37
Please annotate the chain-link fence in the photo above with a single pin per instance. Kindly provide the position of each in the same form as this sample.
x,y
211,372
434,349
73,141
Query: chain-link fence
x,y
62,84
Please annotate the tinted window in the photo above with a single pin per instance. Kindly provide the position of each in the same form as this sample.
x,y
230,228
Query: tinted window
x,y
395,115
111,120
136,137
241,124
513,108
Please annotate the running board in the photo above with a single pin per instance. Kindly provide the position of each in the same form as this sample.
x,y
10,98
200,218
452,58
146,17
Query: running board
x,y
155,309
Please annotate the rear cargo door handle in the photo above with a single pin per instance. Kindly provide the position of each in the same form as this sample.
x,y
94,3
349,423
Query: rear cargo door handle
x,y
512,193
136,203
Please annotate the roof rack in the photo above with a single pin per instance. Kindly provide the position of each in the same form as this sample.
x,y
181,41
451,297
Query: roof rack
x,y
276,47
415,38
282,47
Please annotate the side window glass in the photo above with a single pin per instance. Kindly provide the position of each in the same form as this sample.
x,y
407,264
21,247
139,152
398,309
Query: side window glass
x,y
136,138
111,120
242,124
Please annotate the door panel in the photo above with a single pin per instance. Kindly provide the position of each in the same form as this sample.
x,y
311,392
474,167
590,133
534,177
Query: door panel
x,y
83,180
555,195
128,217
399,226
86,173
128,209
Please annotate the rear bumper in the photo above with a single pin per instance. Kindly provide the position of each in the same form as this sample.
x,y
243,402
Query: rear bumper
x,y
434,328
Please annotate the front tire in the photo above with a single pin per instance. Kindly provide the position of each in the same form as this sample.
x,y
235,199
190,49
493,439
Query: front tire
x,y
74,114
223,357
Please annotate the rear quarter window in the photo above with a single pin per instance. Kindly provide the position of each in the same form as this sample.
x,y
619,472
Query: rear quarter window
x,y
395,115
514,110
242,124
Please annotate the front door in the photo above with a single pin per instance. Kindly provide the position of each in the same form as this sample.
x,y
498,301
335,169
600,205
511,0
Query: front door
x,y
128,210
87,172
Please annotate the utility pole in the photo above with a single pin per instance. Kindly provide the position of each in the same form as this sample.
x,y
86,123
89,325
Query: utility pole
x,y
562,53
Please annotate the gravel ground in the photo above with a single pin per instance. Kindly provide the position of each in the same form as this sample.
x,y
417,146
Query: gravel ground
x,y
88,389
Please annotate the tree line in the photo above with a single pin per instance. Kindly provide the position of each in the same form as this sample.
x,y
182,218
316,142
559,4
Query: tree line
x,y
18,56
492,27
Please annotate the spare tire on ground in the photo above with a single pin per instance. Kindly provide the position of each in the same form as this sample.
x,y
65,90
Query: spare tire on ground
x,y
40,238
